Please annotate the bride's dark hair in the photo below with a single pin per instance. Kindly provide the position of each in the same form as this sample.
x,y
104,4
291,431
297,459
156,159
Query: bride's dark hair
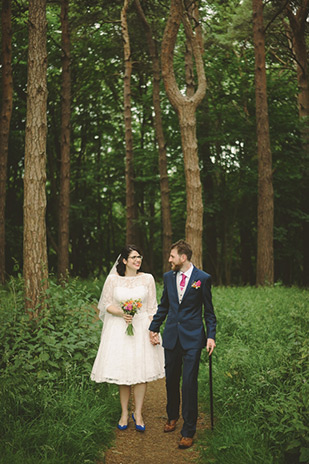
x,y
121,267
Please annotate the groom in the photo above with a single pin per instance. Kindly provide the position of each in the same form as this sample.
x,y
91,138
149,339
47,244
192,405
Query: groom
x,y
186,290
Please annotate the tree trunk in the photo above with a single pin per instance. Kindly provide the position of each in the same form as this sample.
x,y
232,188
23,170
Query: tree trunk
x,y
188,62
5,119
35,250
194,222
298,23
64,197
186,108
164,185
131,209
265,251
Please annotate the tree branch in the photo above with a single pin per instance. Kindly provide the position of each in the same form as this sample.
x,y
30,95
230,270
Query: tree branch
x,y
276,15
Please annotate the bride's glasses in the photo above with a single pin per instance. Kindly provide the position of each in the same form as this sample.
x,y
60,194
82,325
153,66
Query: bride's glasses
x,y
134,258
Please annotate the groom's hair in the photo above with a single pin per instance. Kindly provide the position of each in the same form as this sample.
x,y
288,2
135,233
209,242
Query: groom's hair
x,y
183,248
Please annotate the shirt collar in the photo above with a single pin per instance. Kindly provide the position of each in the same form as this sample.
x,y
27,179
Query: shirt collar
x,y
188,271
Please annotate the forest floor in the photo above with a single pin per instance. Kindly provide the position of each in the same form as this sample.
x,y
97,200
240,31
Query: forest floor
x,y
154,446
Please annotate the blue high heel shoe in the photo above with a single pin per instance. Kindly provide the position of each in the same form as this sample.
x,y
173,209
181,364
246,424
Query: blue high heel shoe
x,y
138,428
122,427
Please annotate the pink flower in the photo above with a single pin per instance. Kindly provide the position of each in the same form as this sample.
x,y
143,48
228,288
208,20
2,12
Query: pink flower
x,y
196,284
131,307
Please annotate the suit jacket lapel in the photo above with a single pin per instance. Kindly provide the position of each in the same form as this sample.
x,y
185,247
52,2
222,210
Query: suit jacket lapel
x,y
174,286
191,280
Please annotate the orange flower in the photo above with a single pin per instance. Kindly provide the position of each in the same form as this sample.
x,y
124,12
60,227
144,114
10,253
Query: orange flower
x,y
131,307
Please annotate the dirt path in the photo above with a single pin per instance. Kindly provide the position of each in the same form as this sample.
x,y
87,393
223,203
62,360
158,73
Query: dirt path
x,y
153,446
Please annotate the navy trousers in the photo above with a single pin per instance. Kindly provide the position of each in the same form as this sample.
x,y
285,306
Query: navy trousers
x,y
186,362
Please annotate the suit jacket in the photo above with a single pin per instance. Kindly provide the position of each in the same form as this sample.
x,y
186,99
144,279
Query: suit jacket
x,y
185,319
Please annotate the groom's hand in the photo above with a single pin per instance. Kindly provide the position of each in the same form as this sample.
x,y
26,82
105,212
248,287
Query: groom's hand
x,y
210,345
154,338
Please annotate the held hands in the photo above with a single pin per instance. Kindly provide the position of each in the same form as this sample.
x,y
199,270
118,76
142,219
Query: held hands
x,y
154,338
210,345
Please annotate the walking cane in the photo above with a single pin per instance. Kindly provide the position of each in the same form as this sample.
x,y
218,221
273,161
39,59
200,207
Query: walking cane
x,y
211,394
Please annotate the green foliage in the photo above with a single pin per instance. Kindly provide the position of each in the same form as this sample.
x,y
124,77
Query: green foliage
x,y
66,334
51,413
226,131
50,410
64,423
260,374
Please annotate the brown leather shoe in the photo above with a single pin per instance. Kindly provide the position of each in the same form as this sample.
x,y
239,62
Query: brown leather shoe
x,y
185,442
170,425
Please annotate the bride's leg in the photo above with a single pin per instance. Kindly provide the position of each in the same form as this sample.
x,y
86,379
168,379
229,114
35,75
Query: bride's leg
x,y
124,393
139,393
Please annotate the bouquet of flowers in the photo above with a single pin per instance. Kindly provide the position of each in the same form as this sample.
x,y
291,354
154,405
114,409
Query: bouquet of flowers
x,y
131,307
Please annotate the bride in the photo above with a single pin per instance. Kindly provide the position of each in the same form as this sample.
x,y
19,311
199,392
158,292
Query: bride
x,y
122,359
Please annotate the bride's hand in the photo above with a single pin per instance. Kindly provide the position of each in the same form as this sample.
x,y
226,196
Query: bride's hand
x,y
127,318
154,338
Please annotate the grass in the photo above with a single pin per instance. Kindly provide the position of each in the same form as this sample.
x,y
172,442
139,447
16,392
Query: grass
x,y
260,377
65,425
51,413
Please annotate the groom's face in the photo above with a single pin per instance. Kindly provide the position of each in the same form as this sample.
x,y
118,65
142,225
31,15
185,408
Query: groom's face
x,y
176,261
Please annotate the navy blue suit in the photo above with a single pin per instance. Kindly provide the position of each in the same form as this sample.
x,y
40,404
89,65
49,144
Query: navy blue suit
x,y
183,339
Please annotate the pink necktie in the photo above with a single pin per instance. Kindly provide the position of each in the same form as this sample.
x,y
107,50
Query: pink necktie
x,y
183,282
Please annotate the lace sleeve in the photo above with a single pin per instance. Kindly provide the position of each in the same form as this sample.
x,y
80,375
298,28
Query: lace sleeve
x,y
152,296
106,298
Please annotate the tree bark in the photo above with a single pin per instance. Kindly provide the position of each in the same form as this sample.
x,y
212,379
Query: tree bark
x,y
64,197
298,22
35,249
131,209
265,251
164,184
185,107
5,119
189,64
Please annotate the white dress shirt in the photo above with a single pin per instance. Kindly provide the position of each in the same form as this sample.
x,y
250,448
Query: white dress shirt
x,y
178,279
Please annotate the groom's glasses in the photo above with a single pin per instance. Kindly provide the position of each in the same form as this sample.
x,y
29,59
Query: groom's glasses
x,y
134,258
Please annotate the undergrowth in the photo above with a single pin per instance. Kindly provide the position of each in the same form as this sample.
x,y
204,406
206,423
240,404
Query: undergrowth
x,y
260,377
50,411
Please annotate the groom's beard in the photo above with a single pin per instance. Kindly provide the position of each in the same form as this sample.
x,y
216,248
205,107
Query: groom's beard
x,y
175,267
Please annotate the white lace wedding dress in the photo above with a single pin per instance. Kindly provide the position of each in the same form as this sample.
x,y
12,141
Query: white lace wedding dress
x,y
123,359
